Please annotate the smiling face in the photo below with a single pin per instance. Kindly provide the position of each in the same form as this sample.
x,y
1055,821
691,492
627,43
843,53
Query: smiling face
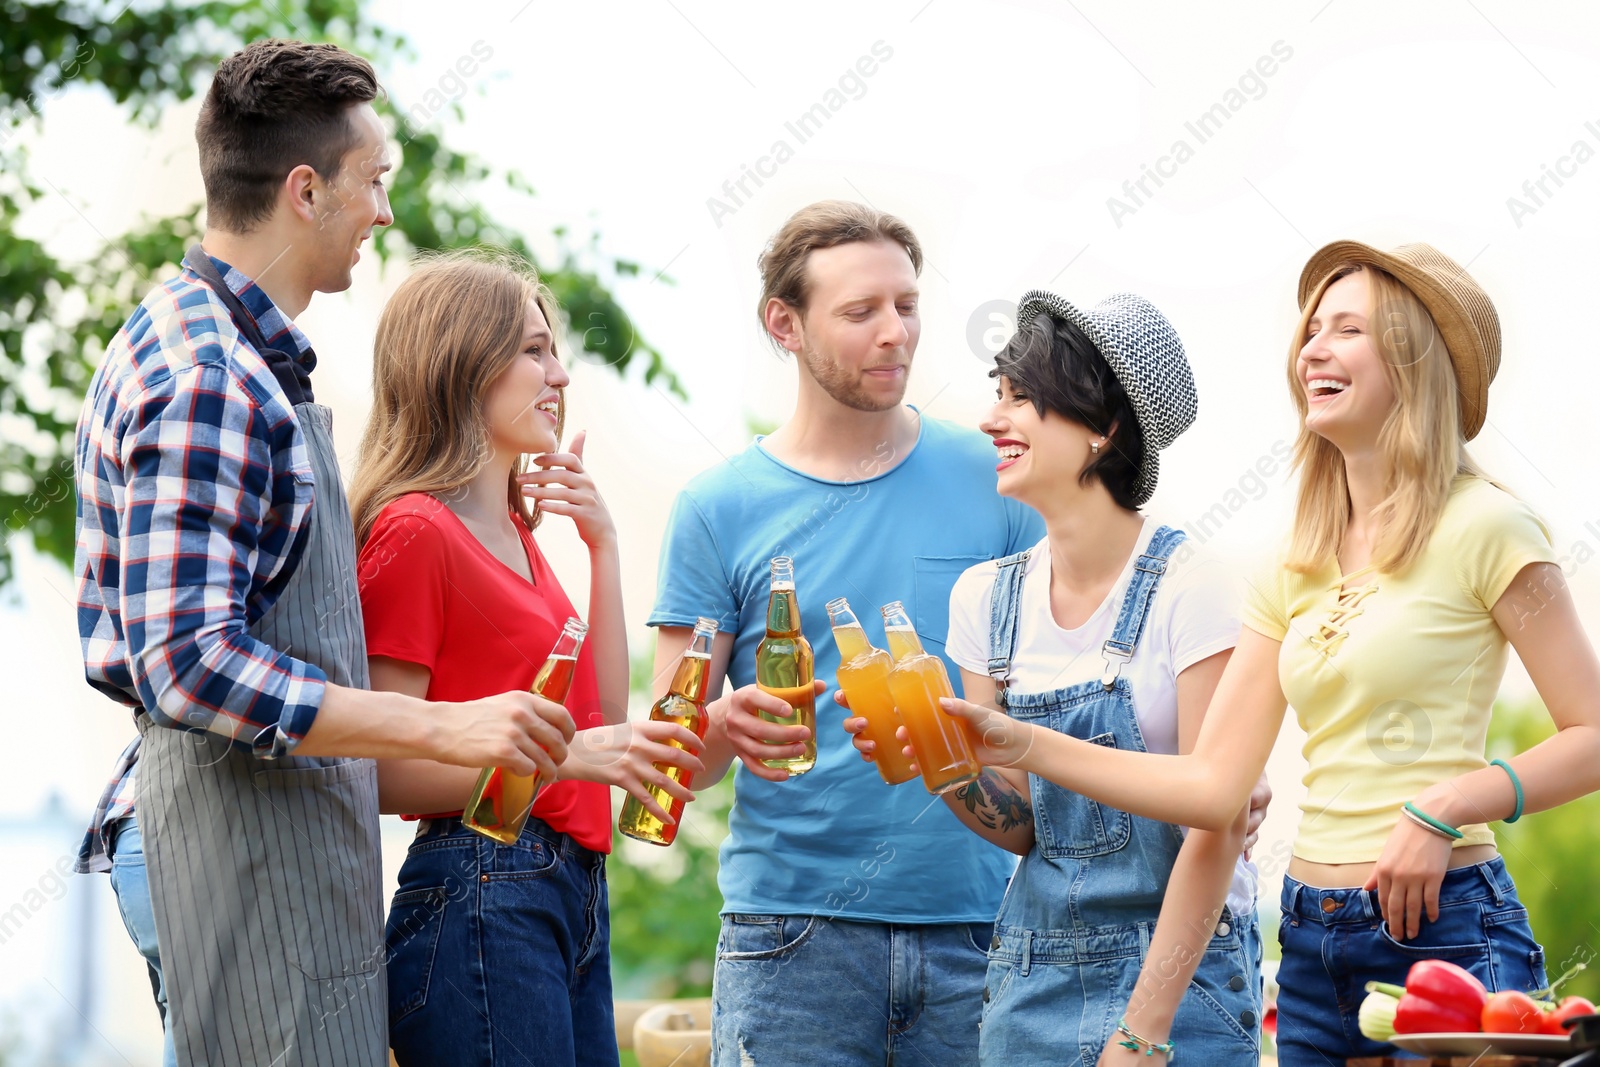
x,y
523,404
1040,457
1347,385
860,327
351,204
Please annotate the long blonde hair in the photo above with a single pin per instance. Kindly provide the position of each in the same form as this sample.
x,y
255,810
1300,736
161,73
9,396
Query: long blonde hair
x,y
443,339
1420,446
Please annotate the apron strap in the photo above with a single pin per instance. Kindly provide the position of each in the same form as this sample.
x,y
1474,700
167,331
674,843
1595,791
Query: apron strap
x,y
293,378
1147,572
1005,603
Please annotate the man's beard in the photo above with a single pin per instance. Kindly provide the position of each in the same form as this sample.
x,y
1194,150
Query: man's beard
x,y
848,390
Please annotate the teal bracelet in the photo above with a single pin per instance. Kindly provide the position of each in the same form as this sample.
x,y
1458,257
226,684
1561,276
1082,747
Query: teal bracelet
x,y
1132,1042
1443,827
1516,784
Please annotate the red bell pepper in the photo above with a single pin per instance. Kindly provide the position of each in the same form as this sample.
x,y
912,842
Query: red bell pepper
x,y
1438,998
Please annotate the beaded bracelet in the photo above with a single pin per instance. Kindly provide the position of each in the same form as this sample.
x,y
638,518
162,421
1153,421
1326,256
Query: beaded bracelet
x,y
1428,822
1133,1041
1516,784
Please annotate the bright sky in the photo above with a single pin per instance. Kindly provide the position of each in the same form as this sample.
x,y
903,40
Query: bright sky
x,y
1000,131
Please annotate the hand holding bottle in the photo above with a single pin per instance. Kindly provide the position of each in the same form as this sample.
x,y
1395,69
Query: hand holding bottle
x,y
1002,740
522,732
755,739
625,755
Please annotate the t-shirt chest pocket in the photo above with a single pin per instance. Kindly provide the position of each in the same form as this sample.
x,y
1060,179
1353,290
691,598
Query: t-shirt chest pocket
x,y
933,578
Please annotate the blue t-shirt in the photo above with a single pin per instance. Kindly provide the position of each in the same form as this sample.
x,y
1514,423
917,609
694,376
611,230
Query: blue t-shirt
x,y
837,841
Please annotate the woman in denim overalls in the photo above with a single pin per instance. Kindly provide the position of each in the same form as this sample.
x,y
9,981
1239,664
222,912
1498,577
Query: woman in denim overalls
x,y
1088,633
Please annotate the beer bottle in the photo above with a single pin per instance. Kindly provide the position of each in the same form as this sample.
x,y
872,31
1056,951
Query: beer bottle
x,y
684,704
784,666
943,744
864,677
502,799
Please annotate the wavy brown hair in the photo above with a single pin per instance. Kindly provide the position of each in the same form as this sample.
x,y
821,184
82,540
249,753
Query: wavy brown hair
x,y
1421,446
448,333
784,263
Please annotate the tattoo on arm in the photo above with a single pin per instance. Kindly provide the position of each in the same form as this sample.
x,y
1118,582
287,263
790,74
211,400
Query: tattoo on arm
x,y
997,804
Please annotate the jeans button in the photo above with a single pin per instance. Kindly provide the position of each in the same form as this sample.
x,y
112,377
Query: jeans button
x,y
1222,929
1247,1019
1236,983
994,942
1329,904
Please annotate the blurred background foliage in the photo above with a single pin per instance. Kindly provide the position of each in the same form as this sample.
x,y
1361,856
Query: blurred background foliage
x,y
57,317
1554,857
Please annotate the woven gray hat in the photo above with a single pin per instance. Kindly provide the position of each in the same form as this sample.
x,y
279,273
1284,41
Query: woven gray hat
x,y
1144,352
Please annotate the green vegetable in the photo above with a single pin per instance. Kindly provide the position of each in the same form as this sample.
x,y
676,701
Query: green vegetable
x,y
1376,1017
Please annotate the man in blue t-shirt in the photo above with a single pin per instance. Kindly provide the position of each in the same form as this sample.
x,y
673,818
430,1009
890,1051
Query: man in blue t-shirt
x,y
856,916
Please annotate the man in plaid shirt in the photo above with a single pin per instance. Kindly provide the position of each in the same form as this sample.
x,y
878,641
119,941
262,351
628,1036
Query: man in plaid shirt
x,y
216,594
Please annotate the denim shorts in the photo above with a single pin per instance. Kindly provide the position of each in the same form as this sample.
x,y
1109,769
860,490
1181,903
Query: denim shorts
x,y
1335,942
500,954
810,991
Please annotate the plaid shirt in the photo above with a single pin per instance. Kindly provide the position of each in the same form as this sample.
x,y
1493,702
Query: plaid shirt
x,y
194,488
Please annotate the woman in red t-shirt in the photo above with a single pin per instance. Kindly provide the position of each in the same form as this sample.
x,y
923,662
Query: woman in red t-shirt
x,y
494,951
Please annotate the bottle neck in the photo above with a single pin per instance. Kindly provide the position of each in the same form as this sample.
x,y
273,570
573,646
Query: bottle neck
x,y
783,613
852,641
690,680
903,639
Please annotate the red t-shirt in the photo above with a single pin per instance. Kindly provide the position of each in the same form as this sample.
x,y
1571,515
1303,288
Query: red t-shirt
x,y
432,594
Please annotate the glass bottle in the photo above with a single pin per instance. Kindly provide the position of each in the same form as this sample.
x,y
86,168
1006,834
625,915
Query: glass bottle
x,y
864,678
784,666
502,799
944,745
684,704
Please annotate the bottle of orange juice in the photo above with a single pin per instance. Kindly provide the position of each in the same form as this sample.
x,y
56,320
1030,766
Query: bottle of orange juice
x,y
501,800
864,677
784,666
943,744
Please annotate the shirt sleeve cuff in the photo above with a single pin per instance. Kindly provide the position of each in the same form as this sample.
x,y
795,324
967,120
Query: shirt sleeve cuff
x,y
282,737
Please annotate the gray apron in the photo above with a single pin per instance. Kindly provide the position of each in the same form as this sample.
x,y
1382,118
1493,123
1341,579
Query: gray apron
x,y
265,875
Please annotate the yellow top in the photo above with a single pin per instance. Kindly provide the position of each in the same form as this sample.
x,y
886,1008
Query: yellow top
x,y
1392,676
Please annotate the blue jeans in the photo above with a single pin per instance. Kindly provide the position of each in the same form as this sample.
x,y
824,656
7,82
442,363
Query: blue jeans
x,y
1335,942
818,992
132,887
500,954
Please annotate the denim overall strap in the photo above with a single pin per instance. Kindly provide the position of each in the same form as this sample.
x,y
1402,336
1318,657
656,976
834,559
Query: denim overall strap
x,y
1004,601
1147,572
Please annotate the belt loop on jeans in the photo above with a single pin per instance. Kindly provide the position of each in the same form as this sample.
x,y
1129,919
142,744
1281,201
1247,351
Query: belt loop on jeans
x,y
1294,896
1027,952
1487,874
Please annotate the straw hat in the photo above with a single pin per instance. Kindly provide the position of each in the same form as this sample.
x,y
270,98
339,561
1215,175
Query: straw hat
x,y
1144,352
1459,306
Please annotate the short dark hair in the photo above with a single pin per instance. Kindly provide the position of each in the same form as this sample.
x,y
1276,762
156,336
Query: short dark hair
x,y
1052,363
273,106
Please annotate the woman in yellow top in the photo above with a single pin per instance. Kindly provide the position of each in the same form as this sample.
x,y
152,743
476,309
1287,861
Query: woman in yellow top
x,y
1385,623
